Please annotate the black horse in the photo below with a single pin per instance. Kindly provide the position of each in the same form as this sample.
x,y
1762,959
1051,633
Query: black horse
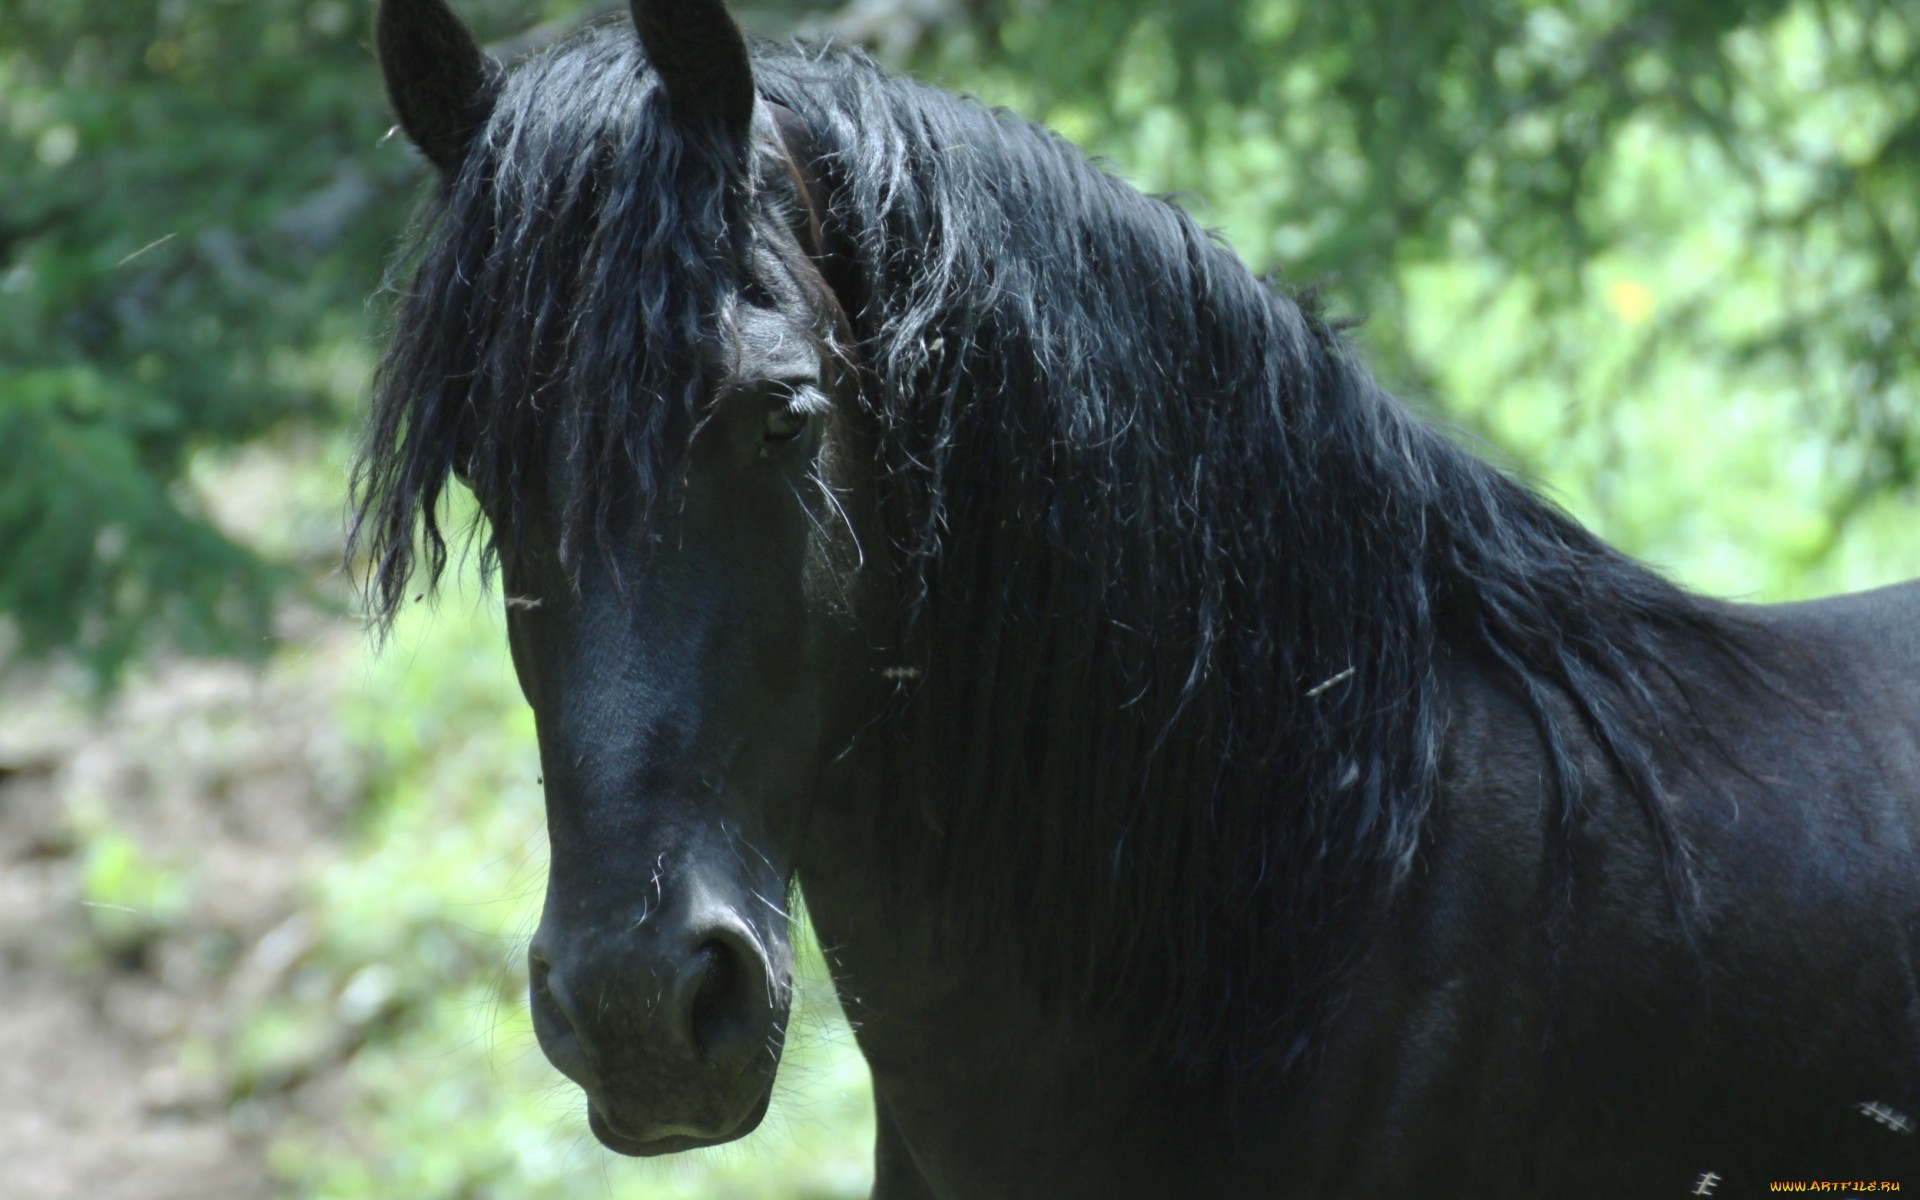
x,y
1206,779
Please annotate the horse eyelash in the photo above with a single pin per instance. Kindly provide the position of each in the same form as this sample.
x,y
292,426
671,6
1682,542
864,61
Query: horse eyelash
x,y
804,398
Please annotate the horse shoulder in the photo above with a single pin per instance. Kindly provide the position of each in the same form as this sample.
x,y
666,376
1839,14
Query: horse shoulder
x,y
1613,1049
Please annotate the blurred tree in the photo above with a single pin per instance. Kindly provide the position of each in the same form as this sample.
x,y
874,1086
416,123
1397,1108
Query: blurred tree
x,y
182,178
198,205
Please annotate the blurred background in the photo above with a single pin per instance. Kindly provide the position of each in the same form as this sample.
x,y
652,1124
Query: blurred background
x,y
264,892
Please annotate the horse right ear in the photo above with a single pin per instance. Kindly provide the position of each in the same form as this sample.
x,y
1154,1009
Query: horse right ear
x,y
441,84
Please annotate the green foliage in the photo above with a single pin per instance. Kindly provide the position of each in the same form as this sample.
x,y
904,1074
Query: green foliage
x,y
191,225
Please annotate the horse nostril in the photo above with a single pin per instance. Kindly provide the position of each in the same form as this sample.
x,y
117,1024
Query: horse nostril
x,y
712,1017
721,1009
554,1023
540,984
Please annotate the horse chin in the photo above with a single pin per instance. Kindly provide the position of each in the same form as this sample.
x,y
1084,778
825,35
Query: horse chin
x,y
641,1138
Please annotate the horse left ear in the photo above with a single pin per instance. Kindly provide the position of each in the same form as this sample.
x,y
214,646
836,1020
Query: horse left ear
x,y
702,60
441,84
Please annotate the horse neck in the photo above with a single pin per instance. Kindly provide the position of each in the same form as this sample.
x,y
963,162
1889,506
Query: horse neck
x,y
1174,575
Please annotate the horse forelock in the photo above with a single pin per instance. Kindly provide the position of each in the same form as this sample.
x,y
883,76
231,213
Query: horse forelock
x,y
555,318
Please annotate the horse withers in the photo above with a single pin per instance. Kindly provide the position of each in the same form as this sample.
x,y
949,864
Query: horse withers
x,y
1206,778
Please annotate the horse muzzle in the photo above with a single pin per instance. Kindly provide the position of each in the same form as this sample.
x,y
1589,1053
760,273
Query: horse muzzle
x,y
674,1034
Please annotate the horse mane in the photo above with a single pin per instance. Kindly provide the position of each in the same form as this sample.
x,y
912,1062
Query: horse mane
x,y
1178,580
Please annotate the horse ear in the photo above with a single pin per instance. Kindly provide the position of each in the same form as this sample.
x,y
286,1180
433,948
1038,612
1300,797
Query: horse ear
x,y
702,59
441,84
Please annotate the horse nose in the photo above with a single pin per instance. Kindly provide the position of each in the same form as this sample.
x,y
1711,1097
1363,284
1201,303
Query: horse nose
x,y
705,995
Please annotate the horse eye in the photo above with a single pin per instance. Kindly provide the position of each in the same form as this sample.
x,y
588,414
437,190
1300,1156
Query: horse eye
x,y
784,424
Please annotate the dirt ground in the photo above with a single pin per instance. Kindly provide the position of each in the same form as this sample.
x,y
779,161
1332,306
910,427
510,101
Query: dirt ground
x,y
115,1017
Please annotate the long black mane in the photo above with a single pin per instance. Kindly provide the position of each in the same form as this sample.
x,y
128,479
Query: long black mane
x,y
1178,583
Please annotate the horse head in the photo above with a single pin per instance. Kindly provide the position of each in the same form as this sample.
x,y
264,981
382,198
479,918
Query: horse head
x,y
625,349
